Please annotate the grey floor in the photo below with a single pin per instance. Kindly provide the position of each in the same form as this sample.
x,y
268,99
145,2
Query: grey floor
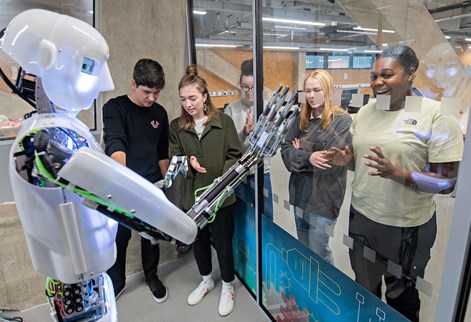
x,y
181,277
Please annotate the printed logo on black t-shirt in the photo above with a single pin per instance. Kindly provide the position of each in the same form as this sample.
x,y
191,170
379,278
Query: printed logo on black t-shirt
x,y
154,124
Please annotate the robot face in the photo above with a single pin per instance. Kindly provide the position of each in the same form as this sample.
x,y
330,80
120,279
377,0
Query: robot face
x,y
68,54
442,65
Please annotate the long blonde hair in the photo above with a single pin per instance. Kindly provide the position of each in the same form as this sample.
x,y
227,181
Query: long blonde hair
x,y
192,78
330,111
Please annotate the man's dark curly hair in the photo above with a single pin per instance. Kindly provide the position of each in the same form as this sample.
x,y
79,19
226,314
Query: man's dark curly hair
x,y
148,72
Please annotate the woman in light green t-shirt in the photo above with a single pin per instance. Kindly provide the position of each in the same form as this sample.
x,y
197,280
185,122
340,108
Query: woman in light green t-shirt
x,y
401,158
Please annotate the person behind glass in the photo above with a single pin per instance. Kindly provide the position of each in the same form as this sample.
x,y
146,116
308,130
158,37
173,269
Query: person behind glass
x,y
316,189
401,159
209,139
242,113
136,135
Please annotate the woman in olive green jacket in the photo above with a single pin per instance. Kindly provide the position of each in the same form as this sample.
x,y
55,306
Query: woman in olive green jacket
x,y
217,150
209,139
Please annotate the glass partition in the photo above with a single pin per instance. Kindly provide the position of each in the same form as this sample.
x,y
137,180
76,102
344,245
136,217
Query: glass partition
x,y
13,108
343,38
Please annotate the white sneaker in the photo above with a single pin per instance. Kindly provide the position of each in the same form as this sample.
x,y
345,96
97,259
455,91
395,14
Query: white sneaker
x,y
197,295
226,302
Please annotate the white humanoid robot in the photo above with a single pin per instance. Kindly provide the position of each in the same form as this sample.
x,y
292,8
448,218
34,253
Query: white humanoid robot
x,y
69,194
61,180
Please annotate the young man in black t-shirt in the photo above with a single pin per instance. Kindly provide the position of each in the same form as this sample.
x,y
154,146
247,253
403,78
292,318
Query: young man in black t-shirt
x,y
136,135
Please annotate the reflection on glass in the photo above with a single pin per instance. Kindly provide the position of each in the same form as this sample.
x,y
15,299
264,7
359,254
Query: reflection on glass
x,y
316,188
355,32
399,166
336,61
243,114
361,62
446,73
314,61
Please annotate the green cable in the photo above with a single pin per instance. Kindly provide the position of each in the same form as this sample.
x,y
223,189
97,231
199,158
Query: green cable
x,y
216,209
49,280
200,189
85,194
212,217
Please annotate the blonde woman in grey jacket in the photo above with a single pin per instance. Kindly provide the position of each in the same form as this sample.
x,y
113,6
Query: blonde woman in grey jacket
x,y
316,189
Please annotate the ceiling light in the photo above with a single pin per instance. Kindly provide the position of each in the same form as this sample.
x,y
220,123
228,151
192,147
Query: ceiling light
x,y
447,37
274,34
200,12
357,32
372,51
375,30
467,39
453,17
333,49
216,45
289,27
281,47
227,31
296,22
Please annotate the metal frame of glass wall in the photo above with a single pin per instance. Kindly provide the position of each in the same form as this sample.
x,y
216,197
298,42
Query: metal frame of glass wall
x,y
456,279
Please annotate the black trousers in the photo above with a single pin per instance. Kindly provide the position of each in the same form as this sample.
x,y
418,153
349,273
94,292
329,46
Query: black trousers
x,y
408,247
220,231
150,255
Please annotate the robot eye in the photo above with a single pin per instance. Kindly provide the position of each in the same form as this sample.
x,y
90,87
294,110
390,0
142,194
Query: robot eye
x,y
88,64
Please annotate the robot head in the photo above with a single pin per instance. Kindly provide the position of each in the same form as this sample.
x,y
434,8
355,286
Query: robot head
x,y
68,54
442,65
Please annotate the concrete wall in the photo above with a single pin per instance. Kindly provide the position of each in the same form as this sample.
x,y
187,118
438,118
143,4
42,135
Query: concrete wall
x,y
146,29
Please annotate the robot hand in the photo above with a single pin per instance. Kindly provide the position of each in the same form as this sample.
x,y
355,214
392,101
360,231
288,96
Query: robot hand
x,y
265,139
178,165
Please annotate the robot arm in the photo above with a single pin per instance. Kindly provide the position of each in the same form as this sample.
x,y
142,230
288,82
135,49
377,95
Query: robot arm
x,y
268,133
112,185
432,184
109,187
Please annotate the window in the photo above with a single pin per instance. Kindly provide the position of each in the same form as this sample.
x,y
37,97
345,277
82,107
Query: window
x,y
315,61
338,61
362,62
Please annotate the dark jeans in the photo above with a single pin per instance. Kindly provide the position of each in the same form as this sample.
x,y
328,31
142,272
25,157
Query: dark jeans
x,y
408,247
220,231
150,255
312,232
